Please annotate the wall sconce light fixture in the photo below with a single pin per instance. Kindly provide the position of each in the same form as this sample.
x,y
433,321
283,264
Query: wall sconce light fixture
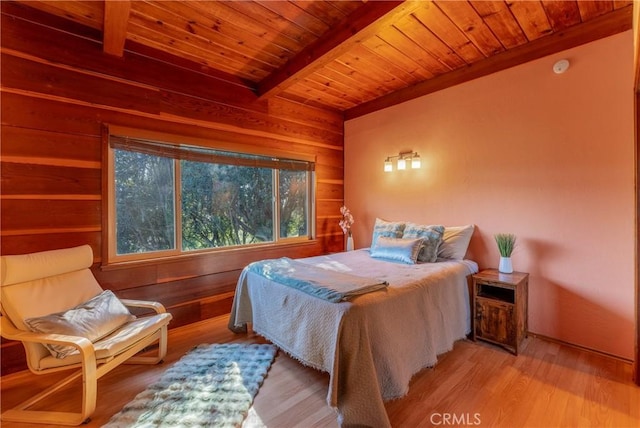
x,y
404,158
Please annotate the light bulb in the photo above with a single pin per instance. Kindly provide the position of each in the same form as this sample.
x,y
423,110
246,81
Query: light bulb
x,y
388,166
402,164
415,162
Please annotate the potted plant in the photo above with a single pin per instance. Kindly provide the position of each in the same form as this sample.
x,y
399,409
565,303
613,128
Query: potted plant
x,y
506,242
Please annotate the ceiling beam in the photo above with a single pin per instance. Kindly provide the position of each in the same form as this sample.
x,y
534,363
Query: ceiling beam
x,y
116,18
360,25
606,25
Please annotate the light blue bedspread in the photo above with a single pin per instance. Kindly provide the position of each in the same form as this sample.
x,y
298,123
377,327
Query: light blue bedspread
x,y
325,284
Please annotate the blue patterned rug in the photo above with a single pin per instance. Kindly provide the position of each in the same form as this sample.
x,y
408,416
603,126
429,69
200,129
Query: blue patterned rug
x,y
212,385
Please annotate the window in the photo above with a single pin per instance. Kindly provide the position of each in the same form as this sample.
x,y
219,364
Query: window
x,y
169,199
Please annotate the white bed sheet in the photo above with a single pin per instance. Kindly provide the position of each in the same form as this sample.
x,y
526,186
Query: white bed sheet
x,y
372,345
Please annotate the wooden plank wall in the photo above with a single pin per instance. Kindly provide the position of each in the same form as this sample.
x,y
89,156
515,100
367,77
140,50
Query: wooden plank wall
x,y
59,88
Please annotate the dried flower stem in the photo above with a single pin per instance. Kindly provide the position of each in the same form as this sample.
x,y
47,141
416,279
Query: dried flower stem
x,y
347,220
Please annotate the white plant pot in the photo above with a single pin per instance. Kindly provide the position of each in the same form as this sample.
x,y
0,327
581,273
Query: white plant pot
x,y
505,265
349,243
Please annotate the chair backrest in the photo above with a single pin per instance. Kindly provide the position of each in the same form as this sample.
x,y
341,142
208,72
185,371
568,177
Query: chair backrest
x,y
38,284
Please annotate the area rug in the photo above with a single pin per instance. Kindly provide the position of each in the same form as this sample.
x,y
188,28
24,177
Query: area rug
x,y
212,385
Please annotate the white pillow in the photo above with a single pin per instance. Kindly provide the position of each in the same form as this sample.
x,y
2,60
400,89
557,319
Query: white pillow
x,y
455,242
93,319
397,249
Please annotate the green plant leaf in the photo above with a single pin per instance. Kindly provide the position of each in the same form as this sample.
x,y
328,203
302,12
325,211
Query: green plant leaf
x,y
506,242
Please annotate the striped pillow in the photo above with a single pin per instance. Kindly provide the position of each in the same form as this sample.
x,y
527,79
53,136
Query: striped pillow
x,y
387,229
431,239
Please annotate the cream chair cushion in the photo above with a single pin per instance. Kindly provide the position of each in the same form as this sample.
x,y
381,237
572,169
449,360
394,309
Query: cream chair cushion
x,y
27,267
113,344
35,285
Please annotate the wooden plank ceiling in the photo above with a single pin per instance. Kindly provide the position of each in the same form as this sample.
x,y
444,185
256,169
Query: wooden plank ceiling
x,y
350,56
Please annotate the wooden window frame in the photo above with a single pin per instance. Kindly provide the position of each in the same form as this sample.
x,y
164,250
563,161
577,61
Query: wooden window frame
x,y
172,143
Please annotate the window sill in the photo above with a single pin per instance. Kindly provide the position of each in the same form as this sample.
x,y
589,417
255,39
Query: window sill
x,y
204,254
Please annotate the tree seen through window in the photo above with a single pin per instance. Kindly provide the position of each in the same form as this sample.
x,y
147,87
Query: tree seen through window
x,y
219,204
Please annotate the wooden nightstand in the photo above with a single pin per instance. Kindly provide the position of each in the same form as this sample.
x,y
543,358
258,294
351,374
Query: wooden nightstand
x,y
500,308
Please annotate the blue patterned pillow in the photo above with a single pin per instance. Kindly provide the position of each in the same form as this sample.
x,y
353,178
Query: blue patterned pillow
x,y
431,239
387,229
397,249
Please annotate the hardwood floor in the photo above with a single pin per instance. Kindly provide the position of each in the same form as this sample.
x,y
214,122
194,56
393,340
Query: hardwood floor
x,y
476,384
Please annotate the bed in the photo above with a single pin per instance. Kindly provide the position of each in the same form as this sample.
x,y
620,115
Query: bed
x,y
372,344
